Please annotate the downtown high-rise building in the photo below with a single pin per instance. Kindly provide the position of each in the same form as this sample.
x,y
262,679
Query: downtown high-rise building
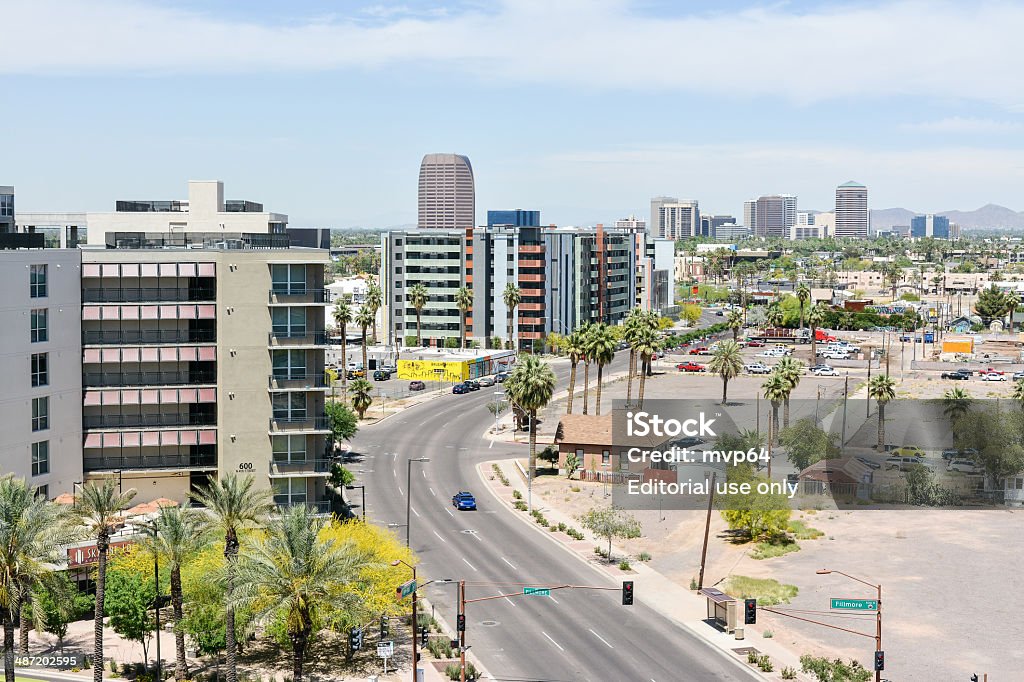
x,y
930,226
851,211
672,218
775,216
750,214
447,195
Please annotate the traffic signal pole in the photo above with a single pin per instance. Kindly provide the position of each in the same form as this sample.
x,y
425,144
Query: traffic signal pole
x,y
462,631
415,626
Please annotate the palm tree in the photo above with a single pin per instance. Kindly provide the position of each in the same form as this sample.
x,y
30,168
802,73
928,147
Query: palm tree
x,y
735,322
646,345
464,301
602,349
100,507
374,300
803,295
774,316
234,506
883,389
418,297
530,386
588,343
177,535
956,403
33,534
1018,391
364,318
362,396
342,318
1011,300
726,362
630,330
574,349
815,317
792,371
776,390
512,298
293,574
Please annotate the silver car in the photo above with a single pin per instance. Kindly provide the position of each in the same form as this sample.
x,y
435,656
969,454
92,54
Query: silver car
x,y
486,381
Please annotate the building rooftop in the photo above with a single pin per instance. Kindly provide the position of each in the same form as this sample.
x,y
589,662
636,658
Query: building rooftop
x,y
852,184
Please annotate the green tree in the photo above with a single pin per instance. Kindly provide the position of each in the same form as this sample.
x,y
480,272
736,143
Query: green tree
x,y
1018,391
177,535
735,322
572,464
754,515
530,386
341,420
587,346
62,606
464,302
364,318
512,298
342,319
574,349
100,506
826,670
690,313
807,444
803,295
646,345
292,575
991,304
33,532
418,297
602,350
881,389
727,363
234,506
128,599
774,315
362,396
776,390
340,476
609,523
815,318
374,300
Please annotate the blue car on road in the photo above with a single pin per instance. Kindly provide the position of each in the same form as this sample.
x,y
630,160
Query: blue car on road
x,y
464,501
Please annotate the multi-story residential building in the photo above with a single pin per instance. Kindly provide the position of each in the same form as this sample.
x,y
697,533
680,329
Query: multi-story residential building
x,y
710,223
851,211
929,226
775,215
515,217
672,218
631,223
447,194
6,209
655,272
41,364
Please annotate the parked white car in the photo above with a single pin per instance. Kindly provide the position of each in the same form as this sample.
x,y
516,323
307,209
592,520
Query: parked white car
x,y
964,466
825,372
993,376
757,368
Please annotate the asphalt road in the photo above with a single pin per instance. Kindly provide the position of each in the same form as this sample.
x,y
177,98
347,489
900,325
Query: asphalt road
x,y
573,635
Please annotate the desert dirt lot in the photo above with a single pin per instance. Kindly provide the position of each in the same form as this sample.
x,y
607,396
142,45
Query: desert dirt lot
x,y
948,576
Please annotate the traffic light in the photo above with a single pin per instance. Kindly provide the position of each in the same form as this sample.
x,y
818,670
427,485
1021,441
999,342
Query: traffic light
x,y
460,622
423,636
355,639
384,627
455,644
974,677
627,592
879,660
749,611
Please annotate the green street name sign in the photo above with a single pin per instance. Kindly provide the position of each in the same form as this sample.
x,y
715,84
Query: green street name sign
x,y
855,604
538,591
407,588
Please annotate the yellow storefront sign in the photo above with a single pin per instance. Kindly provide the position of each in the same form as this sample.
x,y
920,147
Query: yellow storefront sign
x,y
433,370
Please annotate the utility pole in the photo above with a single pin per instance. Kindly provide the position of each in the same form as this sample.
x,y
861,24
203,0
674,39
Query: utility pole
x,y
846,396
870,355
462,632
707,530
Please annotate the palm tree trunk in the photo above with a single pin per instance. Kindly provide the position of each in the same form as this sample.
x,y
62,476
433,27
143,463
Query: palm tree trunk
x,y
102,543
725,390
375,327
643,382
8,618
629,376
597,404
785,414
419,329
230,646
881,425
365,366
299,642
462,331
572,387
775,421
344,367
801,314
180,664
533,448
23,631
586,385
511,321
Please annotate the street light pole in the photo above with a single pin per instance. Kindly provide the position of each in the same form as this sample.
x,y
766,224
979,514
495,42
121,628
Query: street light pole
x,y
878,611
408,497
415,625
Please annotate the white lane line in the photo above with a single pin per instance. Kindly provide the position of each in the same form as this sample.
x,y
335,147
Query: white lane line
x,y
400,491
414,511
440,538
491,445
477,536
424,472
511,602
509,563
552,641
432,492
394,473
425,422
552,599
394,455
469,564
601,638
450,513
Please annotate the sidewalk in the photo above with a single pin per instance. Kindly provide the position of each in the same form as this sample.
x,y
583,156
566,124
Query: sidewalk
x,y
668,598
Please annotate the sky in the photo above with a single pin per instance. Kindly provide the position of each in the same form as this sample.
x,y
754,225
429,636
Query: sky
x,y
583,109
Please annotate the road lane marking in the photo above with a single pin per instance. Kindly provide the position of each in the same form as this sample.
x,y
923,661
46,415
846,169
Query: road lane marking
x,y
424,472
509,563
394,473
511,602
432,492
491,445
450,513
552,641
476,535
440,538
601,638
469,564
414,511
552,599
400,491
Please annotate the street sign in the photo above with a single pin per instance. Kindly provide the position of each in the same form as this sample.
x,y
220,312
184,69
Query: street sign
x,y
537,591
385,649
855,604
406,588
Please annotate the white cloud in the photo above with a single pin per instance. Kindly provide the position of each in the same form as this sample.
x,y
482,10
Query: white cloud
x,y
958,125
850,51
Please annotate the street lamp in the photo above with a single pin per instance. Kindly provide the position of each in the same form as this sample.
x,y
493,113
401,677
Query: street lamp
x,y
415,625
408,496
878,611
363,489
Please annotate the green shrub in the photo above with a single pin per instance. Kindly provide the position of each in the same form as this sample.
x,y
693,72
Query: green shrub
x,y
517,495
553,528
752,657
520,505
765,664
440,647
768,634
623,565
454,672
788,673
644,556
562,527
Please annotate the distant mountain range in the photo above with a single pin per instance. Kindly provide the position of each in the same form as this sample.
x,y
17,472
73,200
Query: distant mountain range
x,y
989,216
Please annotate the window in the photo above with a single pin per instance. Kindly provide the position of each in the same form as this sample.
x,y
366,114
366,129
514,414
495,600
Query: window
x,y
42,492
289,406
290,491
38,326
40,369
289,364
40,413
606,458
288,279
289,321
6,205
289,448
41,458
37,281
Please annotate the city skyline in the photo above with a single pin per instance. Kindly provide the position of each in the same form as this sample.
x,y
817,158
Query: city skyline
x,y
342,152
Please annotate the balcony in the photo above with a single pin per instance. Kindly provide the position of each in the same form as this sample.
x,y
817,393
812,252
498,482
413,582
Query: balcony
x,y
320,507
297,381
148,294
116,421
293,424
292,295
531,248
135,462
531,307
292,339
146,336
531,278
303,468
97,379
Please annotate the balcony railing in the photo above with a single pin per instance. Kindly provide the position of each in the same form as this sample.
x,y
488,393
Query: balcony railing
x,y
113,421
299,424
133,462
308,466
293,338
298,381
148,294
146,336
318,506
298,295
91,379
